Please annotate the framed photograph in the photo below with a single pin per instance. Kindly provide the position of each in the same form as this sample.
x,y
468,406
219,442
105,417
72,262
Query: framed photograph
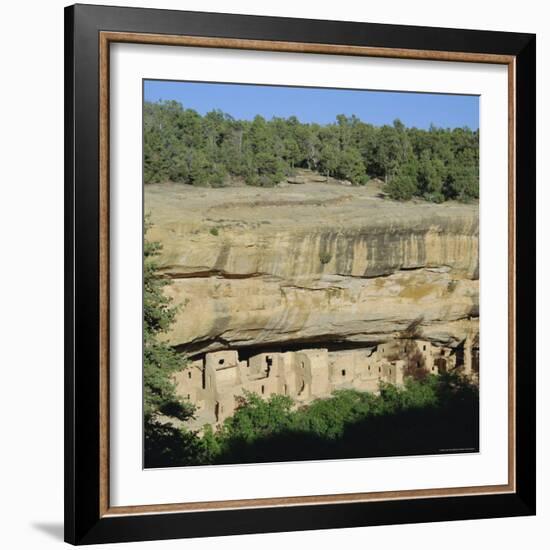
x,y
300,274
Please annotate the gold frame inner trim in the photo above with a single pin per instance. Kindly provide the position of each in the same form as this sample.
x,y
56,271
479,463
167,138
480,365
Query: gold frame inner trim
x,y
105,39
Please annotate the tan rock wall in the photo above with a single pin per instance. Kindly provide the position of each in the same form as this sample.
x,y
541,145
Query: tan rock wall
x,y
344,268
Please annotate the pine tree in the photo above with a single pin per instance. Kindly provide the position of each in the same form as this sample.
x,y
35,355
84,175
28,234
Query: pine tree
x,y
351,167
182,146
160,360
404,185
431,173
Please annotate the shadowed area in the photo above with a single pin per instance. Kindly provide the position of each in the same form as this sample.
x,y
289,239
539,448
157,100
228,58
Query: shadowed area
x,y
431,416
52,529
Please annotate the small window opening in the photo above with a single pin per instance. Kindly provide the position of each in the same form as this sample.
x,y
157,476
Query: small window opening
x,y
221,361
263,390
189,374
343,372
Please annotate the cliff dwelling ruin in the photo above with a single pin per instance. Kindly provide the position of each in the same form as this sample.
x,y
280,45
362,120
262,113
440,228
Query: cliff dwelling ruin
x,y
216,382
312,263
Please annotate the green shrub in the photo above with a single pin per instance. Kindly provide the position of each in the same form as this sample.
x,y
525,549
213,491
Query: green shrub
x,y
325,257
349,423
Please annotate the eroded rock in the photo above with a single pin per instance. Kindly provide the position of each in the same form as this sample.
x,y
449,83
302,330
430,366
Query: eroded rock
x,y
313,263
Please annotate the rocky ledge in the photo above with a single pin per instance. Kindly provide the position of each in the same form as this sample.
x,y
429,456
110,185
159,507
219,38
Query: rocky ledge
x,y
314,263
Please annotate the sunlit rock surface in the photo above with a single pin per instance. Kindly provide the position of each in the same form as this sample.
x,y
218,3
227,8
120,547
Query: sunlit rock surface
x,y
316,262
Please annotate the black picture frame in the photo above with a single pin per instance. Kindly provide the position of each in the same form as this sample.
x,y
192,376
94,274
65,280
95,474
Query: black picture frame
x,y
84,522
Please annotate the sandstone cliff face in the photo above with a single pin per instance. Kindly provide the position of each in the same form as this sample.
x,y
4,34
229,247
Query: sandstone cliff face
x,y
319,263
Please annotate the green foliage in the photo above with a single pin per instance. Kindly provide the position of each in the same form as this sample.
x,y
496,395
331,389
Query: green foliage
x,y
256,417
404,185
260,426
326,418
463,178
325,257
165,446
351,166
436,412
431,172
182,146
160,361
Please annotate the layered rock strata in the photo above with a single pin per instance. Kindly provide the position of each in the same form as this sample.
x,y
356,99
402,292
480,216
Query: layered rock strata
x,y
314,264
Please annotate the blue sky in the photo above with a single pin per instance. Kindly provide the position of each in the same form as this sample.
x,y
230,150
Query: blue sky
x,y
320,104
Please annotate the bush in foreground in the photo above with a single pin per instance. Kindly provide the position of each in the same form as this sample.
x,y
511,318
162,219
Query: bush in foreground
x,y
424,417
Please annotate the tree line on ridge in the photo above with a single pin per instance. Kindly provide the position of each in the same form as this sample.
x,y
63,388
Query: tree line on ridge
x,y
215,149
